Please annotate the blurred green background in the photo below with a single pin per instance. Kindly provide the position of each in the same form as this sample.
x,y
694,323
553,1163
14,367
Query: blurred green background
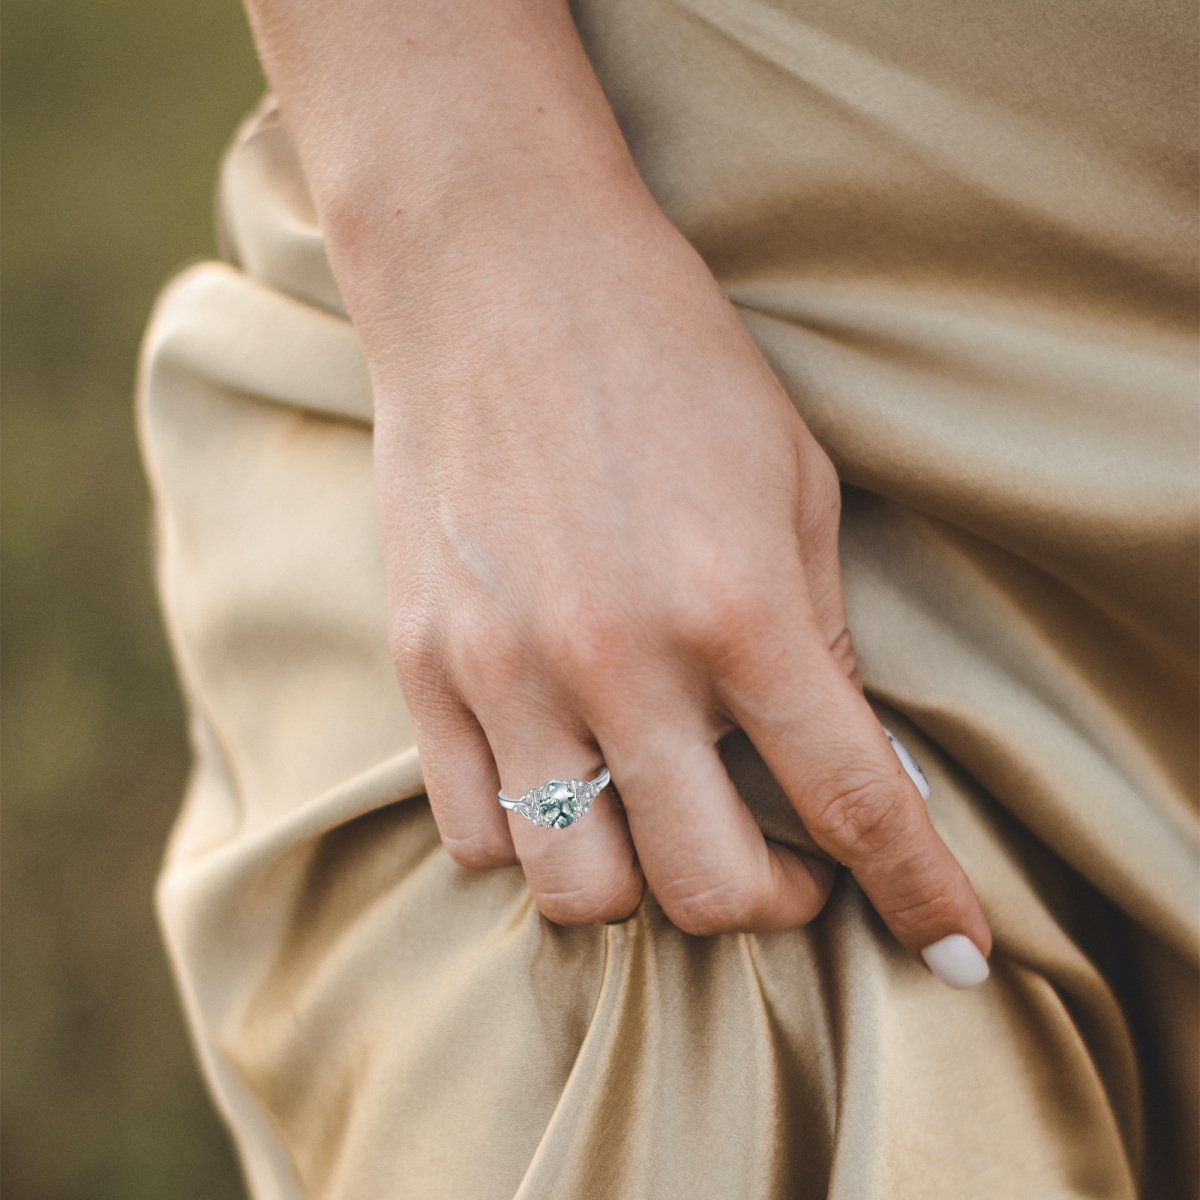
x,y
114,114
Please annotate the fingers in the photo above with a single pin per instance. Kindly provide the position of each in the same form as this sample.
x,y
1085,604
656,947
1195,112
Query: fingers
x,y
824,745
582,875
461,782
704,857
588,872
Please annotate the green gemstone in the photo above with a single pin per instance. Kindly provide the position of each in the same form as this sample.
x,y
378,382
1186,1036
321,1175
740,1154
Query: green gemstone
x,y
559,806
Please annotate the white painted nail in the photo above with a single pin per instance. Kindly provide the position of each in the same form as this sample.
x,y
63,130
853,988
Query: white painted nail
x,y
909,764
956,961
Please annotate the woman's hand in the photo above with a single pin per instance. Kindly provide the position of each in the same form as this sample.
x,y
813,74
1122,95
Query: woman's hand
x,y
608,535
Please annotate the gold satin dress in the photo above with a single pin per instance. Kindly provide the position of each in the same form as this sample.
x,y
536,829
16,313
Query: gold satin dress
x,y
965,238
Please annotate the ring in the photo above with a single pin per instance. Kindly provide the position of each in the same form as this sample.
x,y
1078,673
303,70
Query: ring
x,y
559,803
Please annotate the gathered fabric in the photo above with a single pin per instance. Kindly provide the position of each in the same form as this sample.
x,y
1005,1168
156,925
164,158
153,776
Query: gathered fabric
x,y
965,239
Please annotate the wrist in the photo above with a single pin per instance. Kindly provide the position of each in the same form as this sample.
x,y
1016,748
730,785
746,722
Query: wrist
x,y
432,117
492,240
453,193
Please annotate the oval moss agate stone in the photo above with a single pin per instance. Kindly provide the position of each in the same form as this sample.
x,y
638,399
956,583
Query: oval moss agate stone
x,y
559,804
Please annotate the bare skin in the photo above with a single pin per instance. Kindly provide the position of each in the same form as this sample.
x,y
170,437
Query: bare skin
x,y
608,535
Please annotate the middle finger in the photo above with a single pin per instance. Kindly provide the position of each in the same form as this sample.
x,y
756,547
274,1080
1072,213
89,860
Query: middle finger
x,y
703,854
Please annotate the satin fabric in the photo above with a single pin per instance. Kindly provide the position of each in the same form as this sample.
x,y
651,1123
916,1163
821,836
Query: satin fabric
x,y
964,237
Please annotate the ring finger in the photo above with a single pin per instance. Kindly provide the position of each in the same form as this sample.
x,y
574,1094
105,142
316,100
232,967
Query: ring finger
x,y
587,872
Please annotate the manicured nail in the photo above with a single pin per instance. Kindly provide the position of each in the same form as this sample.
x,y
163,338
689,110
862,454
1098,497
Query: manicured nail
x,y
909,764
956,960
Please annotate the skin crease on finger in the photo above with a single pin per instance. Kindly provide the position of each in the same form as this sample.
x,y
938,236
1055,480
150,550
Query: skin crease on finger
x,y
606,531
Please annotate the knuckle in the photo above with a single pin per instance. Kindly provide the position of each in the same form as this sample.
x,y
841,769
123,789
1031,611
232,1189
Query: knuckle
x,y
479,851
592,904
859,816
733,609
846,657
585,637
930,902
821,505
726,907
416,642
470,833
828,485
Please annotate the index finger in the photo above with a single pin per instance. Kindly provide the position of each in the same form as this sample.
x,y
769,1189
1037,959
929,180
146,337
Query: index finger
x,y
824,745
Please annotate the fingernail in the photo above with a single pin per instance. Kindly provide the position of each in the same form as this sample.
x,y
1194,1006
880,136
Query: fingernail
x,y
909,764
956,961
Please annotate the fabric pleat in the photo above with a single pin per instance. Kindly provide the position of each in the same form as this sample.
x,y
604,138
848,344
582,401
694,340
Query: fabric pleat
x,y
964,237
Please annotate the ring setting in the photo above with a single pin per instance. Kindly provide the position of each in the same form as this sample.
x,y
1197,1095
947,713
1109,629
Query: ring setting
x,y
558,804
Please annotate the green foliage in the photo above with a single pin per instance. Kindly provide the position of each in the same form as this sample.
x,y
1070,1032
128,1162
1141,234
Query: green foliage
x,y
114,117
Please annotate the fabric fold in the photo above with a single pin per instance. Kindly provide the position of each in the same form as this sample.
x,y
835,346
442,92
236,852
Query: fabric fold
x,y
971,273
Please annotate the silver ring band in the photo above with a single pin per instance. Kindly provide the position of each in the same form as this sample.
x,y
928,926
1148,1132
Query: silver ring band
x,y
559,803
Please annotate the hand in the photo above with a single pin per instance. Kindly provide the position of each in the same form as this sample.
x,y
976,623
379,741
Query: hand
x,y
608,535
